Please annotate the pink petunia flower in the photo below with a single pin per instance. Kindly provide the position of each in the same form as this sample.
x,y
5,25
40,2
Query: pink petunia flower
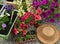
x,y
26,15
23,32
38,11
31,23
24,26
15,31
37,17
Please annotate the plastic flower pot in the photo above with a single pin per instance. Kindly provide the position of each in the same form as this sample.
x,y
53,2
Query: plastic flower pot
x,y
2,7
4,34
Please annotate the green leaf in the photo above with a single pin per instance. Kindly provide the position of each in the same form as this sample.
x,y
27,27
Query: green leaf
x,y
4,19
22,39
10,23
28,20
18,21
40,21
28,37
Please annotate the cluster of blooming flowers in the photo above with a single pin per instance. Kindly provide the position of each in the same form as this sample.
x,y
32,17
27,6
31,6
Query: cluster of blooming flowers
x,y
50,9
45,10
33,18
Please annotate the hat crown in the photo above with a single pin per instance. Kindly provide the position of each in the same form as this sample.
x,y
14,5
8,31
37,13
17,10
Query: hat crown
x,y
48,31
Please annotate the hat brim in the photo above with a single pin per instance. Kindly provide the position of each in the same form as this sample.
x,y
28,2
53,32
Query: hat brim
x,y
52,39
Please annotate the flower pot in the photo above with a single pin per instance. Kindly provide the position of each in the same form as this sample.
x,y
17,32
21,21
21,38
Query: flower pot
x,y
1,7
4,34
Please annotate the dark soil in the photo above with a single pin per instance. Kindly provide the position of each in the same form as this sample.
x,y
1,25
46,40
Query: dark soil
x,y
1,6
5,32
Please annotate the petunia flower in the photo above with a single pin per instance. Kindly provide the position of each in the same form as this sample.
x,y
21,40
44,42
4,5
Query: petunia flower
x,y
3,25
23,32
52,20
37,17
31,23
26,15
44,2
44,16
9,7
49,12
36,3
52,4
38,11
57,15
15,31
24,26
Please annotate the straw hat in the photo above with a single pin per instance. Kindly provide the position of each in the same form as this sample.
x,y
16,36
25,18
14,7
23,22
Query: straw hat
x,y
48,34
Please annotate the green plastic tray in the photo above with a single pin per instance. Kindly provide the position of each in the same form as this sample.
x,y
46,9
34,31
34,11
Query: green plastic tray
x,y
7,36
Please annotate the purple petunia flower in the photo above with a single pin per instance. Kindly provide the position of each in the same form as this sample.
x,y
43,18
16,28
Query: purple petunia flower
x,y
36,3
52,20
44,15
3,25
9,7
58,22
52,5
44,2
49,12
57,15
